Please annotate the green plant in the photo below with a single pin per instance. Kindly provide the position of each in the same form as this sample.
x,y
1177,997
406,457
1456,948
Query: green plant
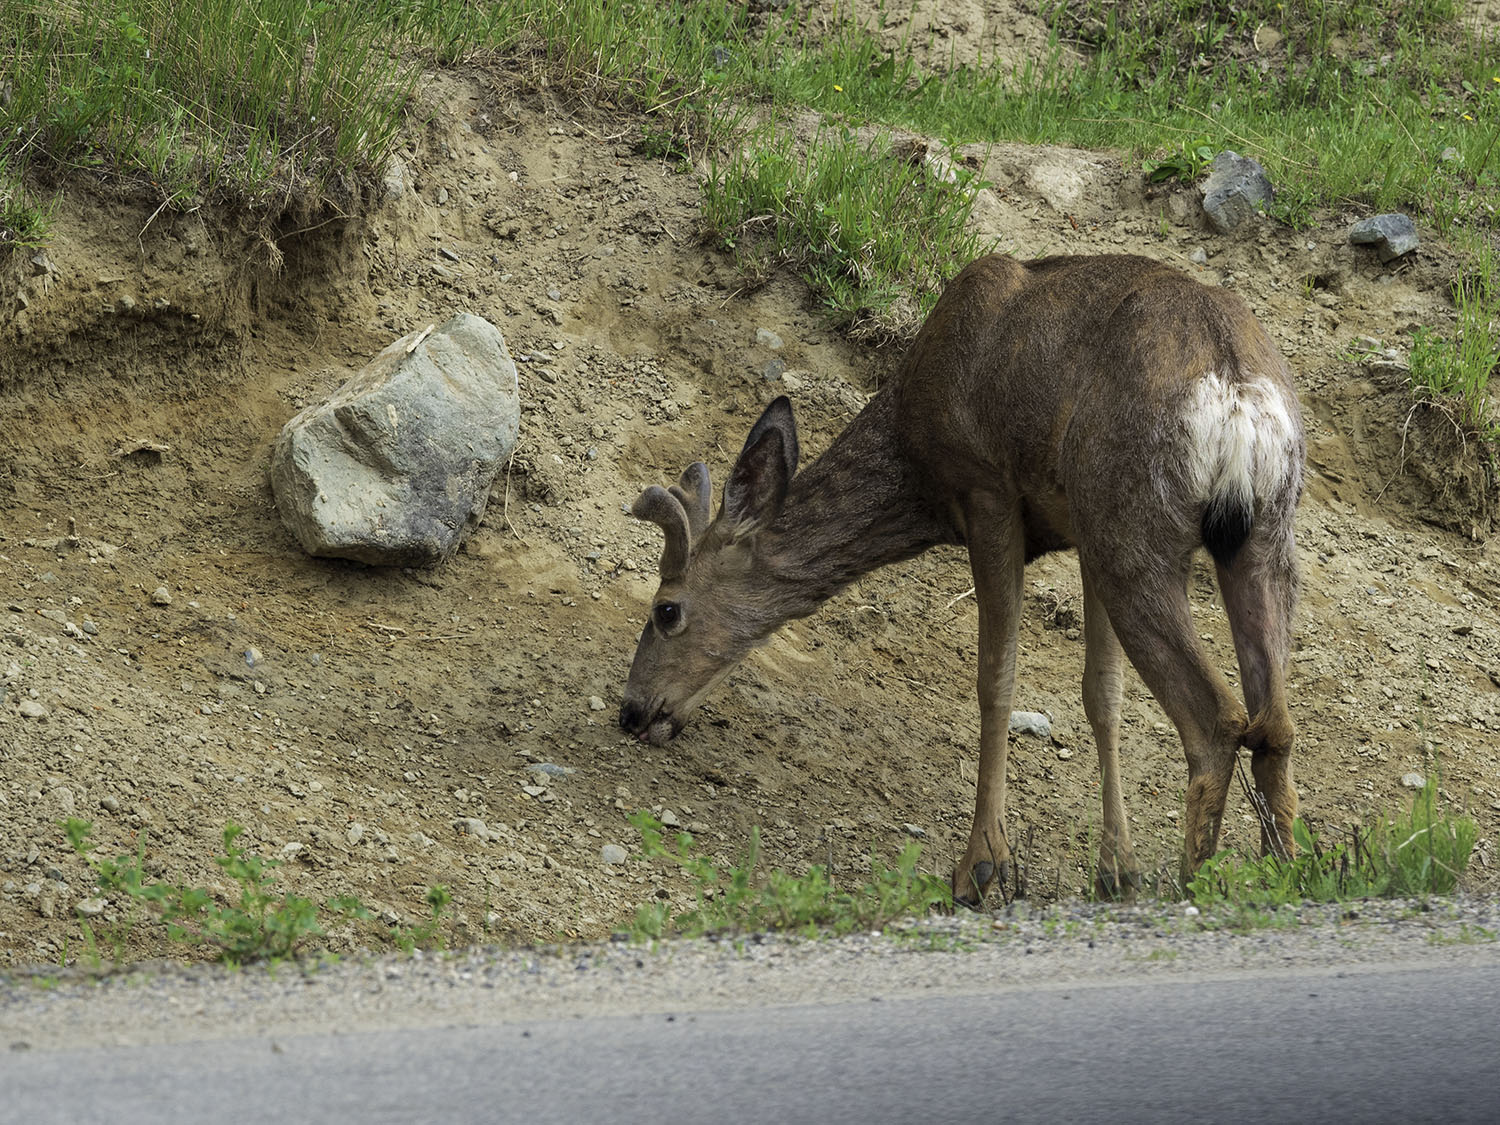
x,y
261,924
1420,852
1186,164
876,234
739,898
426,934
1453,372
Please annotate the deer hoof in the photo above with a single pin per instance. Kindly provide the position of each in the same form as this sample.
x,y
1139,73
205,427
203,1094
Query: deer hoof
x,y
1116,885
969,892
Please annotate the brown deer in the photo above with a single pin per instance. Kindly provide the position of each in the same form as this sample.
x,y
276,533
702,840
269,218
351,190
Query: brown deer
x,y
1111,404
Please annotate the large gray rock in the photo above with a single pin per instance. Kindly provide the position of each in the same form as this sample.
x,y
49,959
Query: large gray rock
x,y
395,468
1392,235
1236,190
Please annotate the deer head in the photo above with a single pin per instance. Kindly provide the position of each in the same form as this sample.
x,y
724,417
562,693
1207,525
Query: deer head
x,y
715,602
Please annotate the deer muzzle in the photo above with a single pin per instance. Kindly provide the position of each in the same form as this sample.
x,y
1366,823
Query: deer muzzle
x,y
648,723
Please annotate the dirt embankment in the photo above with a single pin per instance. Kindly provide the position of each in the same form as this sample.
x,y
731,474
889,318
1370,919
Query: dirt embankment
x,y
359,722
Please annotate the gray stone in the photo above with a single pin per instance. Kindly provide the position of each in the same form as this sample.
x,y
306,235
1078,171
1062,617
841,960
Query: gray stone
x,y
161,596
395,468
613,854
34,710
1033,723
1392,235
395,179
1236,190
1413,781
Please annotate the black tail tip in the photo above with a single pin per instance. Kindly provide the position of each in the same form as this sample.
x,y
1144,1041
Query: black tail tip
x,y
1225,527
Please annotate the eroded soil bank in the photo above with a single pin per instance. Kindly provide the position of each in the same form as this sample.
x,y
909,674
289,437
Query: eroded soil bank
x,y
357,721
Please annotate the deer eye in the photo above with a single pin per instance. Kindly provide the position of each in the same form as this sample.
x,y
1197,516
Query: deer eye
x,y
668,616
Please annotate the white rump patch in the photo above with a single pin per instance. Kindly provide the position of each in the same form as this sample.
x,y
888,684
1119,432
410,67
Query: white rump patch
x,y
1241,437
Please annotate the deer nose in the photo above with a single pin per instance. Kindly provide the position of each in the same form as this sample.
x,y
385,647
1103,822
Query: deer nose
x,y
632,717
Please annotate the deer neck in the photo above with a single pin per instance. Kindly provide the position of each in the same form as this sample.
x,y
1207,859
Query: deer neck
x,y
859,507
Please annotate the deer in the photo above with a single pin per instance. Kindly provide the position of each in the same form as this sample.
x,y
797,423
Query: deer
x,y
1111,404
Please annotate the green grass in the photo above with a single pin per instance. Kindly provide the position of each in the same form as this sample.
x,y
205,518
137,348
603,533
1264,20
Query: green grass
x,y
875,234
1452,372
204,99
743,898
1424,851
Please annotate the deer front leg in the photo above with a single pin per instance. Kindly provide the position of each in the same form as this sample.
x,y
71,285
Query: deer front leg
x,y
995,547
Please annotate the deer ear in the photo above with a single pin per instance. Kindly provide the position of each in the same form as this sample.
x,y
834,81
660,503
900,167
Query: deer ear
x,y
759,480
777,416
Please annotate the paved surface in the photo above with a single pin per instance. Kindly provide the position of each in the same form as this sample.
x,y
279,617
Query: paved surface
x,y
1051,1019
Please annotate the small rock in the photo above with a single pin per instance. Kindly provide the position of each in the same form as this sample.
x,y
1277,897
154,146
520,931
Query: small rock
x,y
914,831
768,339
253,656
92,907
161,596
549,769
1199,256
1392,235
613,854
109,804
669,819
1236,190
474,826
595,703
34,710
354,833
1413,781
1064,754
1033,723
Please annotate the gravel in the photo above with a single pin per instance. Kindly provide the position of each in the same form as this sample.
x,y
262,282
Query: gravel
x,y
44,1007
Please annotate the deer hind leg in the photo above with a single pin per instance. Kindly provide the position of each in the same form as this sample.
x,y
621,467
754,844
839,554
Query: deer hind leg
x,y
1259,588
1118,876
995,556
1148,606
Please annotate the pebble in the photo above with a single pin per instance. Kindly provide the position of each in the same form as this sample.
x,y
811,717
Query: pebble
x,y
669,819
549,769
1413,781
354,833
1033,723
161,596
92,907
595,703
613,854
34,710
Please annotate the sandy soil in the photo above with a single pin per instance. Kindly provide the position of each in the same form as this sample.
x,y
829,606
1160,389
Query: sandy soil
x,y
359,722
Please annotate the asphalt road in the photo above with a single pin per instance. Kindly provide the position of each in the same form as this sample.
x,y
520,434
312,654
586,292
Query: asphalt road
x,y
1329,1044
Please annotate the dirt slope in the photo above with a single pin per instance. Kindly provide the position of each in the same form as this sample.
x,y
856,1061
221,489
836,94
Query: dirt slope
x,y
358,721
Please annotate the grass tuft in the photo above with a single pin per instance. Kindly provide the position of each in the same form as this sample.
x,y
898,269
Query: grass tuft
x,y
742,898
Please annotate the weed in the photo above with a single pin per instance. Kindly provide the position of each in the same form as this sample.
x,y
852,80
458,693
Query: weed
x,y
740,897
1419,853
262,924
1186,165
426,934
